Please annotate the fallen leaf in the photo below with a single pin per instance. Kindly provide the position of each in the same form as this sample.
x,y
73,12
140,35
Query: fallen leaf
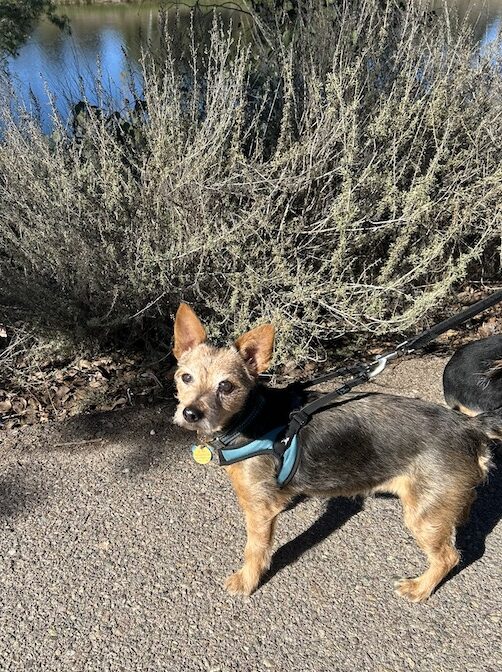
x,y
102,361
19,405
488,328
117,403
62,391
444,338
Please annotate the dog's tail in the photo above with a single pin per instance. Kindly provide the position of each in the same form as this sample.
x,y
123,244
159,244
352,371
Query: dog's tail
x,y
490,424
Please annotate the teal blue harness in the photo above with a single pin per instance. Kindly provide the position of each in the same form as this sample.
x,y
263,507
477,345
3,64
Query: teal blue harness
x,y
266,445
277,443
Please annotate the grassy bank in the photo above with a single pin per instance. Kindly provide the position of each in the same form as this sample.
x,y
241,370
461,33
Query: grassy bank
x,y
345,184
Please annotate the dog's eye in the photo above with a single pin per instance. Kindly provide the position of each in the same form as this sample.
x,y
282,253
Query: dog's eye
x,y
186,378
225,386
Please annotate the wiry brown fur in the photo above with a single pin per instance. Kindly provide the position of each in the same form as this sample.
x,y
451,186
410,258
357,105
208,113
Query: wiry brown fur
x,y
430,457
209,366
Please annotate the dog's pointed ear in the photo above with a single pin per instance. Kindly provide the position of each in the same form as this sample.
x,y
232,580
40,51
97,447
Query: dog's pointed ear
x,y
256,348
188,331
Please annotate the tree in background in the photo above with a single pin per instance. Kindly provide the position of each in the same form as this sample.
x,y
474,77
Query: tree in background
x,y
17,18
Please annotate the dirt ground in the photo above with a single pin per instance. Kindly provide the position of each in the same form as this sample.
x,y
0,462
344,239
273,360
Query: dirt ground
x,y
114,546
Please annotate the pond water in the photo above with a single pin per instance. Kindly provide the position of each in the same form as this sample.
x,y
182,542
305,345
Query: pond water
x,y
102,35
105,42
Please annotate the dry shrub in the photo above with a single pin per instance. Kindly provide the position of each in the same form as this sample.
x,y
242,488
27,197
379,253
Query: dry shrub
x,y
344,184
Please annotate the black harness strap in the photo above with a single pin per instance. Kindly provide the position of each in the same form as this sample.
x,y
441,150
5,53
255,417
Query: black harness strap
x,y
225,440
362,373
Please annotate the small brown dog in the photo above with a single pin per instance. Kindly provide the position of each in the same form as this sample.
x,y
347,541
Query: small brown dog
x,y
431,457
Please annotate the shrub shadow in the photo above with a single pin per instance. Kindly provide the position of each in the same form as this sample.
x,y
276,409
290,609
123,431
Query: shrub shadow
x,y
147,435
338,511
18,493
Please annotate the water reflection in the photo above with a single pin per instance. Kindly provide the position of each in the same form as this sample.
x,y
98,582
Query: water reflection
x,y
67,65
106,43
485,16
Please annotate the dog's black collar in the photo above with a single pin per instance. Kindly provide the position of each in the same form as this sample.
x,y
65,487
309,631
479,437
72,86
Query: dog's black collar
x,y
252,409
277,442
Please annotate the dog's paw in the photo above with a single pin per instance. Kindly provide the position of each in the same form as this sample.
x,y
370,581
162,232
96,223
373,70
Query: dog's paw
x,y
412,589
236,584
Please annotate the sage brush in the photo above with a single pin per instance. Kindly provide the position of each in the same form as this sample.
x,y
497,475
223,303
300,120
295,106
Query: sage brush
x,y
345,183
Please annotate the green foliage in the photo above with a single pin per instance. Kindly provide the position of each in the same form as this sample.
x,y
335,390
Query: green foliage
x,y
17,18
276,21
344,185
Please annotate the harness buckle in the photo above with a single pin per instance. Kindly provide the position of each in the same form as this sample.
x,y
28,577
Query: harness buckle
x,y
299,417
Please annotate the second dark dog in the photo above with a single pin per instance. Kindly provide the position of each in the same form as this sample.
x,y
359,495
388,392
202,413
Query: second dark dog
x,y
472,379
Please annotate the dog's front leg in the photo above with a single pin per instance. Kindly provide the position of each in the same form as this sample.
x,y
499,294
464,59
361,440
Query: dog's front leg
x,y
261,501
260,525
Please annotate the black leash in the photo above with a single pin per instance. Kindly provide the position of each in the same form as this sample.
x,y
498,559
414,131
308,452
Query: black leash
x,y
362,373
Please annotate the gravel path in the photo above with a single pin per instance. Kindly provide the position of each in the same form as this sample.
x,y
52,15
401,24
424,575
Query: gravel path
x,y
113,553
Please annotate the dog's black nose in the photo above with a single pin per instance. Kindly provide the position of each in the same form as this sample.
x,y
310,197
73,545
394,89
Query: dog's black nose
x,y
192,414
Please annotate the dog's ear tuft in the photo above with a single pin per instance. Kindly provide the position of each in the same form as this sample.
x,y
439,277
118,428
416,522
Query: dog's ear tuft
x,y
256,348
188,331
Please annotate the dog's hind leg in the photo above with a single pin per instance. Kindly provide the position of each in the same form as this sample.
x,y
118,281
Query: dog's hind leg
x,y
433,528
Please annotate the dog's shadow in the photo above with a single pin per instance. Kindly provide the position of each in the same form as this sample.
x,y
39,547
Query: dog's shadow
x,y
338,511
485,514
